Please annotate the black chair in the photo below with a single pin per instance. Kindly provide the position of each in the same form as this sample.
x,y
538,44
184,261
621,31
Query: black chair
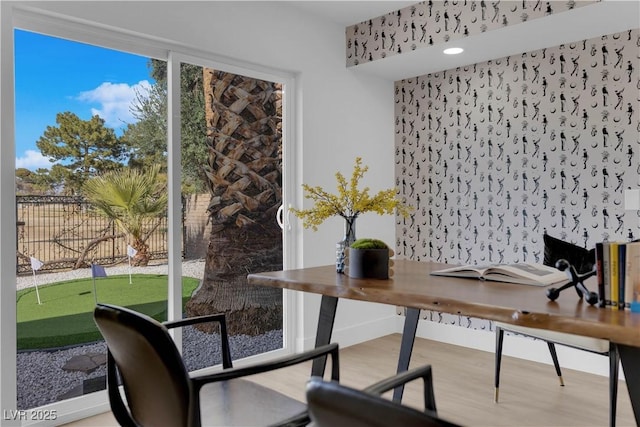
x,y
331,404
593,345
577,260
160,392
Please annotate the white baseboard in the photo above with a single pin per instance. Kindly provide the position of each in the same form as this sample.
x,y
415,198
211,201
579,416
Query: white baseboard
x,y
358,333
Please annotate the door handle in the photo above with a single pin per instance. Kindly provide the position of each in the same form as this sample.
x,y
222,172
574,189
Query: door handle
x,y
283,219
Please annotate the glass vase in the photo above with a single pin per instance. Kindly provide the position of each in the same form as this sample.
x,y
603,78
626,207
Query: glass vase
x,y
347,240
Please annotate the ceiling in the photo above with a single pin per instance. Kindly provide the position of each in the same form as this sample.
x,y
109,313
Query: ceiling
x,y
348,13
605,17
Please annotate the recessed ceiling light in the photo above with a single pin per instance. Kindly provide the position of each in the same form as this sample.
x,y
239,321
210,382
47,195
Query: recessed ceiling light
x,y
453,51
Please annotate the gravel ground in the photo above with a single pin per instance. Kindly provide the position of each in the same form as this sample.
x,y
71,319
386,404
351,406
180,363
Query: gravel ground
x,y
41,379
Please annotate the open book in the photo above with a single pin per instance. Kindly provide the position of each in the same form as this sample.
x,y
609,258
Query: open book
x,y
522,273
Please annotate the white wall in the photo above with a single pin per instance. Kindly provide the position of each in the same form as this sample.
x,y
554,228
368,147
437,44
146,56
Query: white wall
x,y
339,114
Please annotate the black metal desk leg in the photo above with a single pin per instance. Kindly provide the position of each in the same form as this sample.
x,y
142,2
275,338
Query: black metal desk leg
x,y
630,358
328,307
406,347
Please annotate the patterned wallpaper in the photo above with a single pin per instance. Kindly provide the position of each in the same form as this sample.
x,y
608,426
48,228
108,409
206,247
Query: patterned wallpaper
x,y
433,22
493,154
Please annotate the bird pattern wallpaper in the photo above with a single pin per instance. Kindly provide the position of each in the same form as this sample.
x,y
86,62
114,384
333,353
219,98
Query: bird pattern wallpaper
x,y
435,22
494,154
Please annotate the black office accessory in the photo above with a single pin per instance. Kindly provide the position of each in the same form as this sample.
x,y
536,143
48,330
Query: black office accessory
x,y
577,281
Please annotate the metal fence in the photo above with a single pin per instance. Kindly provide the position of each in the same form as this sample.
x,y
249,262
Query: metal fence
x,y
64,232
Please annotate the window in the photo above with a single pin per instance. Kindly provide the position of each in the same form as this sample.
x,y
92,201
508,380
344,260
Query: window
x,y
173,230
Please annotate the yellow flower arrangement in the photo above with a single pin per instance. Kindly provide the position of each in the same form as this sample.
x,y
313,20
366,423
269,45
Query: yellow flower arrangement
x,y
349,202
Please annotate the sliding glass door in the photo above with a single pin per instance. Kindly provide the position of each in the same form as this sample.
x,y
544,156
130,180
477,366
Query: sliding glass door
x,y
231,140
211,139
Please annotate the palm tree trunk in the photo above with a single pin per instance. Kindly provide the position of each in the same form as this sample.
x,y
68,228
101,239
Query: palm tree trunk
x,y
244,123
250,310
142,256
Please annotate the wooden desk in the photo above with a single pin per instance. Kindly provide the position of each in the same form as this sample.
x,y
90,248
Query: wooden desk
x,y
412,286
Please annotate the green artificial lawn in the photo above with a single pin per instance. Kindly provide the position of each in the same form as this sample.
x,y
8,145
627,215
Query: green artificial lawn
x,y
65,316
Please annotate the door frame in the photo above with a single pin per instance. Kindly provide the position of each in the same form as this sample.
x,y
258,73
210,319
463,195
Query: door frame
x,y
24,17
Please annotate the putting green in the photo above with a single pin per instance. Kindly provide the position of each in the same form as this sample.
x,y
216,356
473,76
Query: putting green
x,y
65,315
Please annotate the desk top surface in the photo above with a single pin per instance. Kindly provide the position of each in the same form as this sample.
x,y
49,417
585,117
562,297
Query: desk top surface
x,y
413,286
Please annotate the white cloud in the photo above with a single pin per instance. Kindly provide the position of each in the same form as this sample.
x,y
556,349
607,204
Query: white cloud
x,y
115,101
33,160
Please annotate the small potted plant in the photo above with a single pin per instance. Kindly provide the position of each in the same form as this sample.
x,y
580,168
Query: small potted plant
x,y
368,258
349,203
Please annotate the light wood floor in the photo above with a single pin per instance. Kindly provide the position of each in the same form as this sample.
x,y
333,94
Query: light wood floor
x,y
530,394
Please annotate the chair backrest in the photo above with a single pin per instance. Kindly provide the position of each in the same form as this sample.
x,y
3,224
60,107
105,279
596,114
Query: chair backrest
x,y
154,378
331,404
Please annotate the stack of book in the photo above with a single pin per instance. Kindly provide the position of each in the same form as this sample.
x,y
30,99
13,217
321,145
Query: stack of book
x,y
618,273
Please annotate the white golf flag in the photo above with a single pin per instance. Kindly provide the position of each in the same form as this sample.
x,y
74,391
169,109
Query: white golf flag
x,y
131,252
36,264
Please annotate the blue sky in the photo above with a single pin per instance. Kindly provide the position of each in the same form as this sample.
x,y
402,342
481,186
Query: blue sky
x,y
53,75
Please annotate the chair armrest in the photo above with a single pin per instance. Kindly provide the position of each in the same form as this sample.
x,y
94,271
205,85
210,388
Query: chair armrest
x,y
390,383
283,362
224,336
194,320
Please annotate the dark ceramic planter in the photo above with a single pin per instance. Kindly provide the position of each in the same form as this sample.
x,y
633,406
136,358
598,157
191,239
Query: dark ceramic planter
x,y
369,263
